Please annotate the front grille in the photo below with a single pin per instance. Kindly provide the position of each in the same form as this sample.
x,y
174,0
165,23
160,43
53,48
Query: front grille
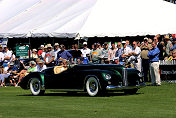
x,y
130,77
125,77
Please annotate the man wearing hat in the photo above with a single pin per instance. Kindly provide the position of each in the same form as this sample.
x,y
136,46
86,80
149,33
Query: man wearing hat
x,y
40,51
85,51
49,56
41,66
168,45
44,51
145,59
56,50
125,52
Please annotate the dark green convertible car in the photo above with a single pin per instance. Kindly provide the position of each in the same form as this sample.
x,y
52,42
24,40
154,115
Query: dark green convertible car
x,y
93,79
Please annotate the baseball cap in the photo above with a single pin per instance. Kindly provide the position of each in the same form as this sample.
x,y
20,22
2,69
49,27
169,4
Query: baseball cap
x,y
49,46
146,39
41,61
33,62
34,50
11,63
85,43
56,44
123,42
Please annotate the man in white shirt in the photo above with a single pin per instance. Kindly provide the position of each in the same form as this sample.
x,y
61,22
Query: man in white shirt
x,y
135,57
7,57
40,67
1,55
44,52
125,51
56,49
85,51
111,53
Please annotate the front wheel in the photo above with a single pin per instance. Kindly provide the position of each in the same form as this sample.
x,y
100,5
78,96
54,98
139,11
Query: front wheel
x,y
35,87
92,86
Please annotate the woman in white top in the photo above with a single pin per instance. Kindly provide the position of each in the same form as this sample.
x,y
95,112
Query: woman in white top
x,y
34,54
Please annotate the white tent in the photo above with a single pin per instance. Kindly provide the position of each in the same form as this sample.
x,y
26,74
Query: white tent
x,y
40,18
66,18
130,18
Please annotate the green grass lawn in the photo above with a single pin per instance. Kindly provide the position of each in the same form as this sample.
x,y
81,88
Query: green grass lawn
x,y
149,102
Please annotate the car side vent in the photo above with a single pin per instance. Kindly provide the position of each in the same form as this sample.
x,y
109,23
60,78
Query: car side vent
x,y
125,79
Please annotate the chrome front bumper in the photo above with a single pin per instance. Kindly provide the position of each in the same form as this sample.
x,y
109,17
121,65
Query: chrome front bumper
x,y
110,87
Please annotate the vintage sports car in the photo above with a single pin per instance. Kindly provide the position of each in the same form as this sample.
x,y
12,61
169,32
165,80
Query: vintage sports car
x,y
94,79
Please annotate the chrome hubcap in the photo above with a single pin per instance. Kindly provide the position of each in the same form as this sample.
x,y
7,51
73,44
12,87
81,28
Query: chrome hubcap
x,y
92,86
35,86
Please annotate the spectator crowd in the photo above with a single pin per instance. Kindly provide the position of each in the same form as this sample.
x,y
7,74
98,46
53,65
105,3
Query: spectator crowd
x,y
144,56
172,1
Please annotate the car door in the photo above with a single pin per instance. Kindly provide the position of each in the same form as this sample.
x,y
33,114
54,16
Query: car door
x,y
63,79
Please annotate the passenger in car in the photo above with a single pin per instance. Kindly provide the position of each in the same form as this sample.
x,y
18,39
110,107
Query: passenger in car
x,y
63,66
26,72
40,67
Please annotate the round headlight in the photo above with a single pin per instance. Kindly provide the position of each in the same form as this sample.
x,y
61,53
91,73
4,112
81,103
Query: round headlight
x,y
108,76
140,74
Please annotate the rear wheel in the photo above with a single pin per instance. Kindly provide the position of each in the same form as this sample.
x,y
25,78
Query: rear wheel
x,y
35,87
92,86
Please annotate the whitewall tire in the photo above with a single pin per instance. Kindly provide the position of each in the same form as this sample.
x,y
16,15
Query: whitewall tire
x,y
35,87
92,86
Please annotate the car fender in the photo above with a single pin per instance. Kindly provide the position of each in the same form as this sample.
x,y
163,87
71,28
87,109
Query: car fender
x,y
40,76
99,72
26,80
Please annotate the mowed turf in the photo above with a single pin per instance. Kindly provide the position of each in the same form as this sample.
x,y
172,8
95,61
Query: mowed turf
x,y
149,102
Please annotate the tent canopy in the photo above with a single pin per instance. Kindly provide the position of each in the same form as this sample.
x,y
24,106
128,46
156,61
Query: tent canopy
x,y
89,18
130,18
40,18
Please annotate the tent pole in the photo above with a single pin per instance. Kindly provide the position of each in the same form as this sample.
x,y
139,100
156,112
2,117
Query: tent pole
x,y
78,43
29,48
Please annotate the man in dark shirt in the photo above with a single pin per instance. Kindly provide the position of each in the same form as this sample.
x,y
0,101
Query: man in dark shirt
x,y
160,47
64,54
76,53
